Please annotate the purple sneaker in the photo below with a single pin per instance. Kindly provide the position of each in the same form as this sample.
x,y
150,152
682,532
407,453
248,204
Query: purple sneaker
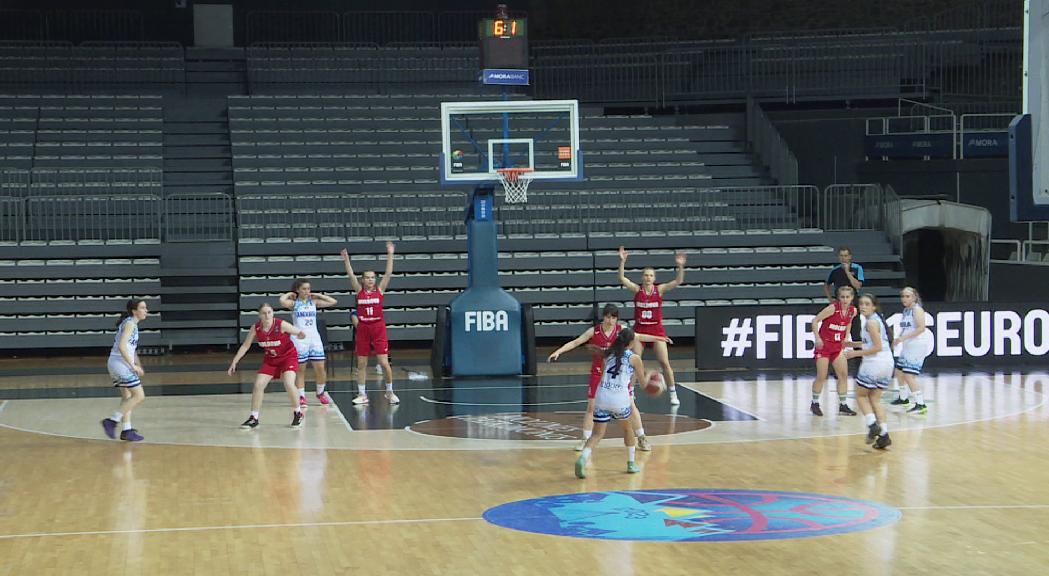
x,y
131,435
110,427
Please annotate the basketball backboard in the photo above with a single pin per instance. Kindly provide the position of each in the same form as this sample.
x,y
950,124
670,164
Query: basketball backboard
x,y
479,138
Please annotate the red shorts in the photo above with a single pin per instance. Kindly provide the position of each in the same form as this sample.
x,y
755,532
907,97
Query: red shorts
x,y
597,368
831,352
278,366
371,336
651,330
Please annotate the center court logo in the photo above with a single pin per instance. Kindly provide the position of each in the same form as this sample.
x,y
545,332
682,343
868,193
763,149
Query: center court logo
x,y
692,515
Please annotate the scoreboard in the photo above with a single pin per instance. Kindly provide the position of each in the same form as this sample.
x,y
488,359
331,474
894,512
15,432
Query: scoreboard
x,y
504,43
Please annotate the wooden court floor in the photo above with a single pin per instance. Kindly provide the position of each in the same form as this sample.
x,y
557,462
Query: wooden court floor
x,y
384,490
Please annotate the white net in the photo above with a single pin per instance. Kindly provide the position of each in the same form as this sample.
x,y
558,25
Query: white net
x,y
515,183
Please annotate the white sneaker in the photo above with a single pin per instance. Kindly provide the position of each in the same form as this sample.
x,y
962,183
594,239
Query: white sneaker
x,y
673,398
643,445
360,399
392,398
582,444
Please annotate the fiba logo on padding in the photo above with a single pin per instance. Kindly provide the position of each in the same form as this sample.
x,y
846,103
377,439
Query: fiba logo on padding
x,y
487,321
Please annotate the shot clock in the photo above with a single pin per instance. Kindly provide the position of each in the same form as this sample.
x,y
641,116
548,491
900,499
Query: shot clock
x,y
504,43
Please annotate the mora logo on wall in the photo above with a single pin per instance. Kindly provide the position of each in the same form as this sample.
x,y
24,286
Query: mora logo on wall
x,y
958,334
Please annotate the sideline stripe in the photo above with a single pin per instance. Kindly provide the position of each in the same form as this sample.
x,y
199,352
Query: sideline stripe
x,y
235,527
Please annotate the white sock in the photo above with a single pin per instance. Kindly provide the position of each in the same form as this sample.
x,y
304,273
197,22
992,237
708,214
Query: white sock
x,y
389,386
587,434
870,419
586,453
302,392
905,392
320,389
117,416
630,451
884,429
254,414
127,424
639,432
918,397
360,389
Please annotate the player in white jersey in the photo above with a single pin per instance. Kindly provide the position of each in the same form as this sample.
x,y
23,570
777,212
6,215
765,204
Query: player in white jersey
x,y
612,401
126,371
912,345
875,371
304,303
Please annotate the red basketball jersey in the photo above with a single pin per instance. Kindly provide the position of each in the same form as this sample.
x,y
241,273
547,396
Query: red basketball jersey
x,y
369,305
834,329
602,340
274,343
648,308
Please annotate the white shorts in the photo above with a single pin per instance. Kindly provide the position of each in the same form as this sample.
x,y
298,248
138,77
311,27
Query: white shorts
x,y
123,375
911,357
875,374
606,415
309,348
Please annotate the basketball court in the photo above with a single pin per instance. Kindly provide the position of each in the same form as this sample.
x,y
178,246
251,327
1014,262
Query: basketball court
x,y
424,487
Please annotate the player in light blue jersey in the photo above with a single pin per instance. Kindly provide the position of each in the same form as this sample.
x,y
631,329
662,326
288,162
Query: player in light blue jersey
x,y
126,371
612,401
304,303
875,371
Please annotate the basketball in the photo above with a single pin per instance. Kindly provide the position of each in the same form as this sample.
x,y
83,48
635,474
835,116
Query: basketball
x,y
654,384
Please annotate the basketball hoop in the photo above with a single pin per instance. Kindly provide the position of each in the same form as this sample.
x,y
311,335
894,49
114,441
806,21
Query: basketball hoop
x,y
515,183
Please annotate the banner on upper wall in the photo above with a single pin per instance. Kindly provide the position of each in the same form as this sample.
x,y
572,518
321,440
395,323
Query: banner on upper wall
x,y
962,334
985,144
935,145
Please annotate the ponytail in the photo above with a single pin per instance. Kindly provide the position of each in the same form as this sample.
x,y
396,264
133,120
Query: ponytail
x,y
618,347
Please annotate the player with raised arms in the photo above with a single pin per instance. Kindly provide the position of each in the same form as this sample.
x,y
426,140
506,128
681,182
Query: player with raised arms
x,y
648,312
597,339
304,303
280,359
126,371
831,329
371,325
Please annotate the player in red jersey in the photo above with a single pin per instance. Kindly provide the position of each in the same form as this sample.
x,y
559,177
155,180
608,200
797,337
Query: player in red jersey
x,y
597,339
371,325
648,312
280,359
831,329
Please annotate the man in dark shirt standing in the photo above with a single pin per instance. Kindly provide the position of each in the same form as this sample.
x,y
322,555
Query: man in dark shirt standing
x,y
847,273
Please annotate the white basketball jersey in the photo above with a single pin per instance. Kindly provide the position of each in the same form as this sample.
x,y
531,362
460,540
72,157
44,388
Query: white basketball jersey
x,y
614,391
304,317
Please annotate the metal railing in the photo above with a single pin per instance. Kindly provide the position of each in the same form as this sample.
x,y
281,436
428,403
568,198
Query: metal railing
x,y
378,26
857,207
12,219
14,182
198,217
766,141
81,25
92,218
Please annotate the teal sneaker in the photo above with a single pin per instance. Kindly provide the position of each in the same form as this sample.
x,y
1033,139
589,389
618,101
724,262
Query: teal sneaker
x,y
632,467
580,467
